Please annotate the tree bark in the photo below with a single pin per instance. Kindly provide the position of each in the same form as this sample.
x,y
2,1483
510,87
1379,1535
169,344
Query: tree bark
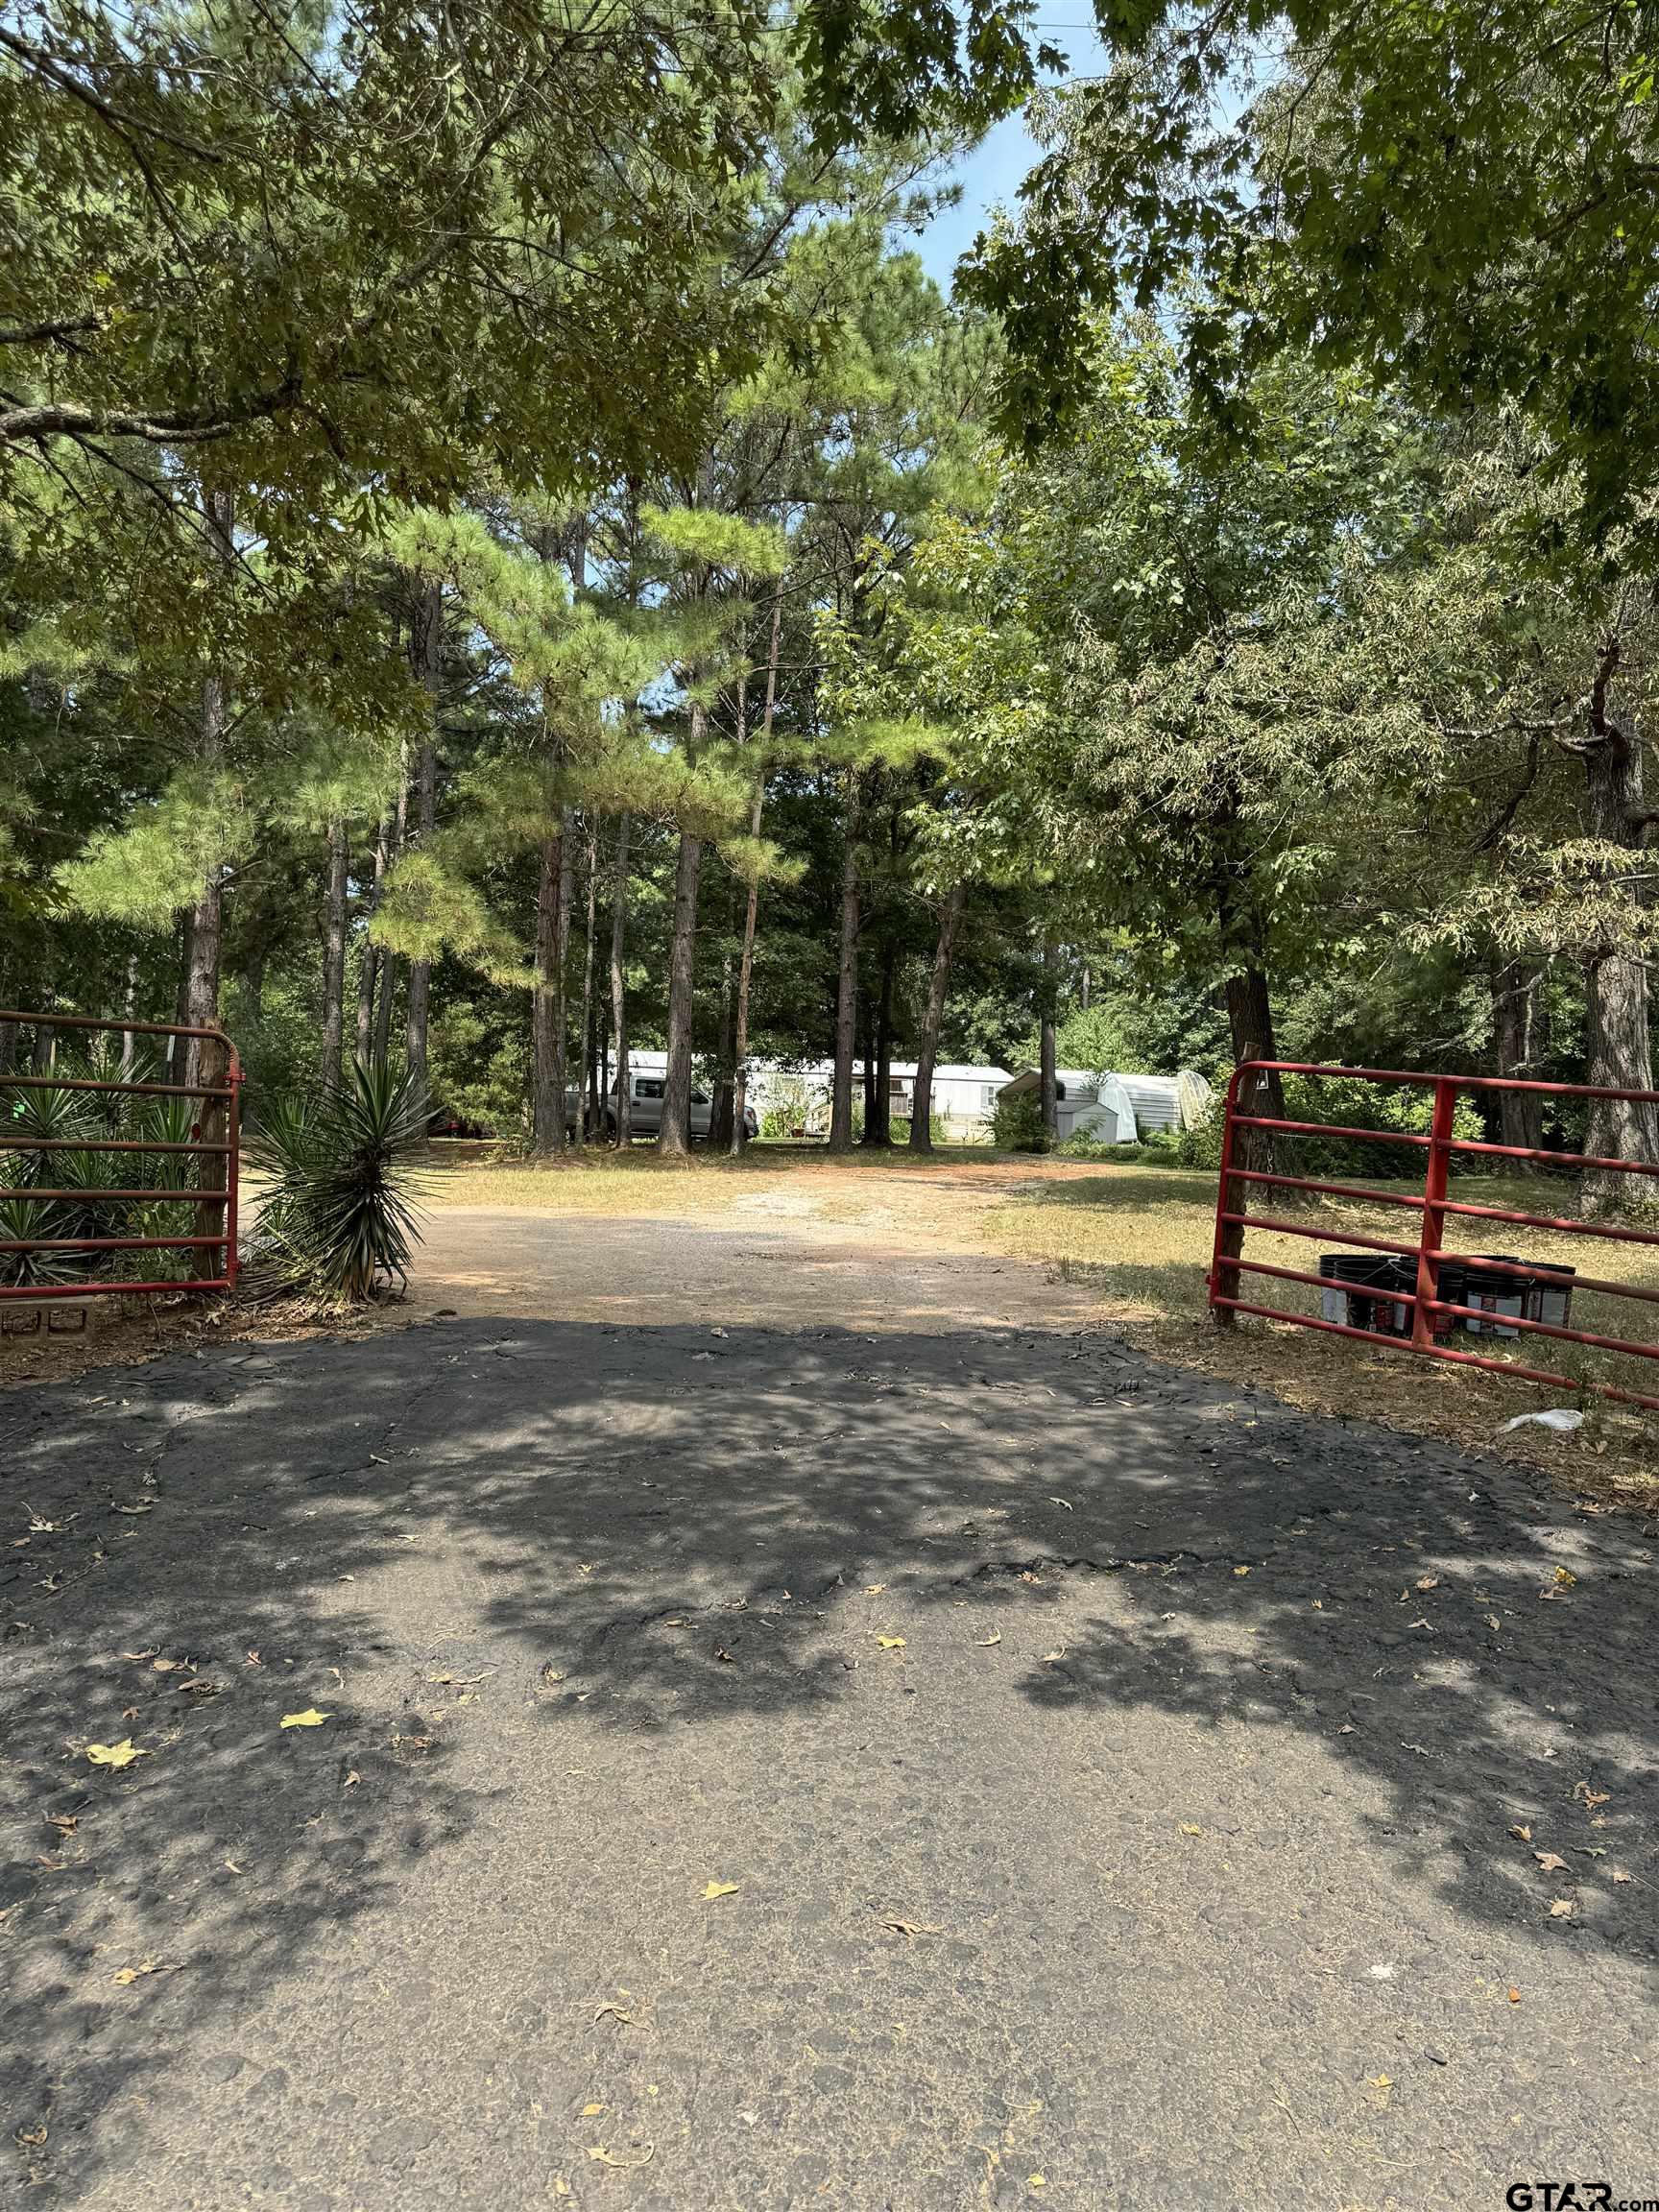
x,y
547,1008
208,916
426,661
1250,1021
8,1046
583,1051
371,968
1619,1042
846,979
1516,990
128,1037
933,1022
1049,1090
675,1142
752,908
725,1040
618,993
388,967
334,953
879,1125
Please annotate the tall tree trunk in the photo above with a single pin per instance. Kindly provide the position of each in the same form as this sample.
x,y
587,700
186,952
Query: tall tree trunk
x,y
583,1051
334,953
726,1043
933,1022
181,999
1250,1023
547,1009
620,1076
208,916
426,661
1516,990
879,1122
369,974
867,1059
845,977
675,1141
128,1037
388,966
1618,1042
1047,1087
8,1046
752,908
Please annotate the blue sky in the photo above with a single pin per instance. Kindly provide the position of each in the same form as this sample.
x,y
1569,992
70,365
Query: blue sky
x,y
994,171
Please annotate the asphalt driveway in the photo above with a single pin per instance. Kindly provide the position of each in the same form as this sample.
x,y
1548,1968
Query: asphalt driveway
x,y
924,1764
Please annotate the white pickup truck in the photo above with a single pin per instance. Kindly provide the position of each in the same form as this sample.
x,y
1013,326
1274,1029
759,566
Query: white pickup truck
x,y
645,1110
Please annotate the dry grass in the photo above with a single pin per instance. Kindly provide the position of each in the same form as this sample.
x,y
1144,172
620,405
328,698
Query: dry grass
x,y
1143,1236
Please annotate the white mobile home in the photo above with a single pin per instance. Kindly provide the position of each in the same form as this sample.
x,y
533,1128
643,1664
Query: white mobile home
x,y
1106,1108
964,1098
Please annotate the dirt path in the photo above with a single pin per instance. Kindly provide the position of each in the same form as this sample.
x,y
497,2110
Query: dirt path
x,y
1120,1780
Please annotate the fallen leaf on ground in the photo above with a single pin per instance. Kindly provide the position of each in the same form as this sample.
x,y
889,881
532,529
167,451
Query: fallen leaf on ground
x,y
1189,1829
994,1637
721,1890
351,1780
1564,1578
913,1927
1589,1796
1513,1995
120,1754
606,2157
618,2012
891,1643
1493,1622
591,2111
721,1654
65,1823
126,1975
1051,1658
136,1655
1427,1581
874,1588
1548,1860
309,1718
1240,1570
1619,1875
1525,1833
1065,1502
1561,1909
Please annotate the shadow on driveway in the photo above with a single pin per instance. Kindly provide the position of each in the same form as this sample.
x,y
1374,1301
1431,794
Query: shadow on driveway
x,y
466,1542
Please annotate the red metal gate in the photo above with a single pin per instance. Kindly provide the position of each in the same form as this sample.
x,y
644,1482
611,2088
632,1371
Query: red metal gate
x,y
1433,1316
206,1163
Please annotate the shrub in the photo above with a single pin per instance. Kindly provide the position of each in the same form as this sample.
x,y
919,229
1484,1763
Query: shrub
x,y
345,1168
1405,1107
1016,1123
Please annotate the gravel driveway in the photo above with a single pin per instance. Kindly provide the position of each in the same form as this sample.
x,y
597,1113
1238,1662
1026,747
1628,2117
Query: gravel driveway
x,y
921,1765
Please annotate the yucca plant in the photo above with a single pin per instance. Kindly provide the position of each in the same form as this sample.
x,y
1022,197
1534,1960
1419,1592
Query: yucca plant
x,y
343,1171
166,1122
32,1217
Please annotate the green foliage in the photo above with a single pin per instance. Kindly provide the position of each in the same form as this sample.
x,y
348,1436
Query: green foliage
x,y
1016,1123
337,1217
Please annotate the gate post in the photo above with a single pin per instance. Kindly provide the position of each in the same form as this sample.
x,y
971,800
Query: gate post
x,y
1433,1234
1229,1235
213,1062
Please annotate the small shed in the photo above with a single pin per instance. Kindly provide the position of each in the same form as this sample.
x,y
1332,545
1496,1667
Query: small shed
x,y
1108,1108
